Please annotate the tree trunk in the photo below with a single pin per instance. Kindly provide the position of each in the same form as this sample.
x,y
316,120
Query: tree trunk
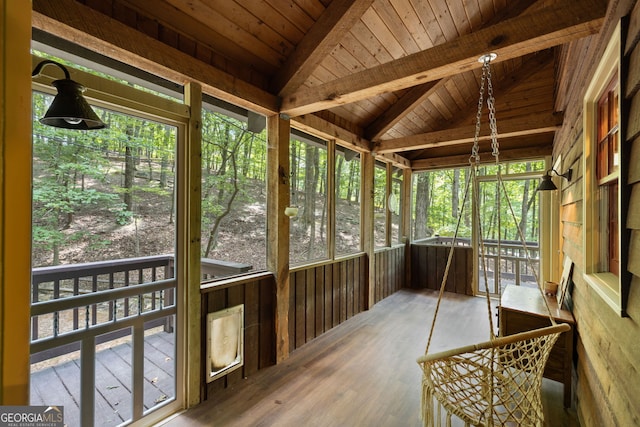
x,y
455,194
293,181
212,239
468,207
311,182
423,202
339,165
129,170
129,167
524,213
350,184
150,155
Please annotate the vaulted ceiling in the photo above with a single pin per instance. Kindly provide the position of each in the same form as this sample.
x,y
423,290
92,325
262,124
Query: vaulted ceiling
x,y
396,77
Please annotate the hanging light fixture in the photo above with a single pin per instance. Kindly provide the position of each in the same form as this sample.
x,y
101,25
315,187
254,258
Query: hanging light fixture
x,y
69,109
547,185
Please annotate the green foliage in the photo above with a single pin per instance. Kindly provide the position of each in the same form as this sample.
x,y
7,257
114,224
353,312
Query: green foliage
x,y
79,173
232,158
441,218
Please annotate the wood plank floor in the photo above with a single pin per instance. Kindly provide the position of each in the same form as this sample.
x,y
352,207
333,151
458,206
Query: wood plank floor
x,y
361,373
58,382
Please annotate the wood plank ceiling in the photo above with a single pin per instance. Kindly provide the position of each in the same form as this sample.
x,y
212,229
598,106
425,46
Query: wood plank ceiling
x,y
398,77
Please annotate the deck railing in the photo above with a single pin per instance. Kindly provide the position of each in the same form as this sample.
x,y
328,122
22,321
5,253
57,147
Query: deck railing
x,y
76,307
69,299
515,265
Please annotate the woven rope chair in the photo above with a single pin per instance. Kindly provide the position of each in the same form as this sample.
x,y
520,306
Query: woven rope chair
x,y
497,382
494,383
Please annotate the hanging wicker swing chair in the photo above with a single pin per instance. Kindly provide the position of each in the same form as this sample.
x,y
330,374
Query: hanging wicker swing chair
x,y
497,382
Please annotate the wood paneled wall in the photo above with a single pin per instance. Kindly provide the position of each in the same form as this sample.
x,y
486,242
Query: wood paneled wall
x,y
258,297
390,272
323,296
608,377
429,261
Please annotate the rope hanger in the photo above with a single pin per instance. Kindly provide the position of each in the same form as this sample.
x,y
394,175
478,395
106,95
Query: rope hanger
x,y
472,182
497,382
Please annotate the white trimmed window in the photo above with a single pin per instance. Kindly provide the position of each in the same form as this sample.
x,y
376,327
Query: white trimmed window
x,y
602,227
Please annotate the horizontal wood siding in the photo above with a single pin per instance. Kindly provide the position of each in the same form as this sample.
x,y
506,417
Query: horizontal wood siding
x,y
323,296
258,297
390,273
608,377
428,263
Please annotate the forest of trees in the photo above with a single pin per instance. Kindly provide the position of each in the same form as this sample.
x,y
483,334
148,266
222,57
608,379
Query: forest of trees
x,y
439,197
110,194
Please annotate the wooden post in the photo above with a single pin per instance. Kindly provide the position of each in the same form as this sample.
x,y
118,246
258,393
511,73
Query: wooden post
x,y
405,224
189,236
278,198
387,212
15,201
368,238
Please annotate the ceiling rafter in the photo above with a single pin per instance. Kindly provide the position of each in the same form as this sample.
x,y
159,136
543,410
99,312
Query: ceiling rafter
x,y
405,104
418,94
462,160
518,126
558,23
317,44
176,19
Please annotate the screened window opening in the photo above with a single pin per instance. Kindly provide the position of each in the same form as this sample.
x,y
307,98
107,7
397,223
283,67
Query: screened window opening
x,y
395,206
380,205
438,197
308,183
348,177
234,199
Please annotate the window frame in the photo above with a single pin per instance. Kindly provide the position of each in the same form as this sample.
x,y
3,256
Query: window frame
x,y
607,285
328,145
123,99
382,235
355,157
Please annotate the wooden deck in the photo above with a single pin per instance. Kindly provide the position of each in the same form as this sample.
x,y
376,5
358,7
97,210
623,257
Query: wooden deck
x,y
361,373
57,382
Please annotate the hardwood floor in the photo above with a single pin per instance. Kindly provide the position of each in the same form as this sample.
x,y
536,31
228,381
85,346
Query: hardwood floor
x,y
361,373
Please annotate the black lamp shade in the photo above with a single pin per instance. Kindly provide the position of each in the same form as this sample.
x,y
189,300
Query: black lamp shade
x,y
546,184
70,110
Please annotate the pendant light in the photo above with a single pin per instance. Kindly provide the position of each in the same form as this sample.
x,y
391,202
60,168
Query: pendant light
x,y
69,109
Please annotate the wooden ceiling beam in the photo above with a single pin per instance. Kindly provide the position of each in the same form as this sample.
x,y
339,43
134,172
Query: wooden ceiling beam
x,y
462,160
322,128
86,27
334,23
558,23
528,70
518,126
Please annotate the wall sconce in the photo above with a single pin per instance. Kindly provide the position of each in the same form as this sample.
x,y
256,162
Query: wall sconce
x,y
69,109
547,185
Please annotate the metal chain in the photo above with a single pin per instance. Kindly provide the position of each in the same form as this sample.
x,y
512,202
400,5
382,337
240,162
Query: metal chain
x,y
492,115
475,150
